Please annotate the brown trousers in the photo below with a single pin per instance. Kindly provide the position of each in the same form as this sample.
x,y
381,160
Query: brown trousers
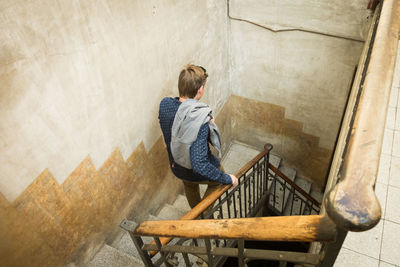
x,y
192,192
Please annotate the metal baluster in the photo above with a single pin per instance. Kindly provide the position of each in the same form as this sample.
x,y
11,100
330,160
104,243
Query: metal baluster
x,y
240,198
234,203
221,214
251,184
163,254
267,176
209,255
275,181
259,181
137,240
228,204
245,195
186,259
241,253
254,187
301,204
284,193
291,207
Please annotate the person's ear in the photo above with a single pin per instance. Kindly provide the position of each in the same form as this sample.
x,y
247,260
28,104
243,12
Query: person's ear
x,y
201,89
200,93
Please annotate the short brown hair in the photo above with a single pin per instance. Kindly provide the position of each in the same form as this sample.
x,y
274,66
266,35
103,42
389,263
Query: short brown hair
x,y
191,78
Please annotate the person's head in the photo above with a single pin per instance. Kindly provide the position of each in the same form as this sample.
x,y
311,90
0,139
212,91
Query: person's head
x,y
191,81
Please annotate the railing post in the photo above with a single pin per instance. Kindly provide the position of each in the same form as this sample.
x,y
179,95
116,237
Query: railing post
x,y
209,255
241,252
186,259
163,254
137,241
143,254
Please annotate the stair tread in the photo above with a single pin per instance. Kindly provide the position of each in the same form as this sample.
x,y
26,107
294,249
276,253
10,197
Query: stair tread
x,y
169,212
275,160
182,204
151,217
280,197
297,208
112,257
289,172
317,195
303,184
126,245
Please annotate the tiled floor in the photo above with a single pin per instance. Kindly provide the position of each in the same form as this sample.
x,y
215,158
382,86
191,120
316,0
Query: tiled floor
x,y
380,246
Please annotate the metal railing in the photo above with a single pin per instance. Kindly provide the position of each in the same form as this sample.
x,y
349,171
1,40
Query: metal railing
x,y
292,200
260,185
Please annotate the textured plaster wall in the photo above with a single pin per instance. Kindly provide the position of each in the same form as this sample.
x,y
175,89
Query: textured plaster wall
x,y
286,53
82,78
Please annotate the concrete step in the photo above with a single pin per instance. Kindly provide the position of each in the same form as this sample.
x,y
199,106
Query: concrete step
x,y
169,212
237,156
125,245
318,196
281,195
151,217
298,207
182,204
275,160
203,189
112,257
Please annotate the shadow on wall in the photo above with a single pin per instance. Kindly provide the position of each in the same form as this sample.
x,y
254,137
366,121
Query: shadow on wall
x,y
256,123
51,224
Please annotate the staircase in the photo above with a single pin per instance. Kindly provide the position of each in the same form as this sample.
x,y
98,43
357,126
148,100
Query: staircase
x,y
282,201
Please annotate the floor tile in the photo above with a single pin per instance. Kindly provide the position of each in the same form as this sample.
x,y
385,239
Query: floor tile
x,y
393,96
390,243
393,205
391,118
394,174
397,119
384,169
381,194
371,241
387,142
385,264
348,258
396,144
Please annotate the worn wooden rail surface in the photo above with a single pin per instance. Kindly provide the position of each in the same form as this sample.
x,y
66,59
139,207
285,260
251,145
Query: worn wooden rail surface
x,y
352,203
211,198
279,228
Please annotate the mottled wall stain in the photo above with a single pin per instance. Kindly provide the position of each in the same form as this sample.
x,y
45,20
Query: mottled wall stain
x,y
51,224
256,123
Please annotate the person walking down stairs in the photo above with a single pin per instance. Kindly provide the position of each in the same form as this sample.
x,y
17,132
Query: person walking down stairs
x,y
188,128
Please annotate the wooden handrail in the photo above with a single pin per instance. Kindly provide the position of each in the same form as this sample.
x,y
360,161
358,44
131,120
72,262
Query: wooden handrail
x,y
283,228
352,203
211,198
293,184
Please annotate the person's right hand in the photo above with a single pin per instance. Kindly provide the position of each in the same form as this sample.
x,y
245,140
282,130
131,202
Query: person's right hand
x,y
235,180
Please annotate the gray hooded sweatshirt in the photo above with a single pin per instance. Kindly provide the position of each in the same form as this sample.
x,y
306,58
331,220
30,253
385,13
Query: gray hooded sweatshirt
x,y
191,115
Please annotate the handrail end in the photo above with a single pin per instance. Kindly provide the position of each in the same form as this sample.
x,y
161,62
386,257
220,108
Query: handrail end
x,y
268,147
128,225
354,210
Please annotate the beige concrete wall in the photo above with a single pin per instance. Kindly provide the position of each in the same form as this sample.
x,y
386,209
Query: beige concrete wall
x,y
82,78
299,55
80,144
